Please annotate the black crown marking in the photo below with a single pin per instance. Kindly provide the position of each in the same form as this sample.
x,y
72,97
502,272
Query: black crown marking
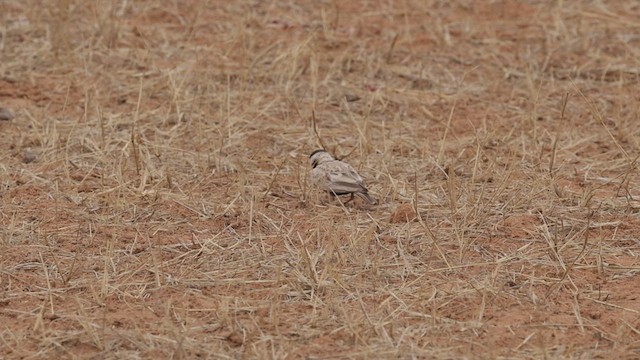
x,y
317,151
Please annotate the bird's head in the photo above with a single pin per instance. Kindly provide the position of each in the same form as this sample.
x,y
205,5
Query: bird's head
x,y
319,156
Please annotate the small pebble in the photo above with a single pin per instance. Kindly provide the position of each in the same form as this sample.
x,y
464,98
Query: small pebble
x,y
351,97
403,213
29,157
5,114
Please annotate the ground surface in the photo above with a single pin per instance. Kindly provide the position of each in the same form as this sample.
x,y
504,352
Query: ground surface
x,y
155,201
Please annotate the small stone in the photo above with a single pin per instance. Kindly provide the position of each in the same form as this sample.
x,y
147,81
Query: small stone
x,y
29,157
351,97
235,339
5,114
403,213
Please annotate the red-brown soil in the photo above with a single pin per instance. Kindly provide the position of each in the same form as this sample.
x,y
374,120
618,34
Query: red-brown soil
x,y
155,200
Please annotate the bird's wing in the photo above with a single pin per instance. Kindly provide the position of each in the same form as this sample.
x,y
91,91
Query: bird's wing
x,y
345,180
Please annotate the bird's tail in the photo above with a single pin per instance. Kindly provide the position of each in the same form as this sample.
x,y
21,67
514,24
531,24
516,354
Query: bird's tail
x,y
367,197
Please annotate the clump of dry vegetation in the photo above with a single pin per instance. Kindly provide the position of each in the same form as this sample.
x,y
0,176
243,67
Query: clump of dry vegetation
x,y
155,199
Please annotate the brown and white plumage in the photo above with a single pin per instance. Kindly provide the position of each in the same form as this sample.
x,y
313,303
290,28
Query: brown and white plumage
x,y
337,177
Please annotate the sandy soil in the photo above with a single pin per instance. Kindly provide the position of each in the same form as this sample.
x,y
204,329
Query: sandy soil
x,y
155,200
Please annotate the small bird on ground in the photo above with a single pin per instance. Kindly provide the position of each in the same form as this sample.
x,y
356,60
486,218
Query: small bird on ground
x,y
337,177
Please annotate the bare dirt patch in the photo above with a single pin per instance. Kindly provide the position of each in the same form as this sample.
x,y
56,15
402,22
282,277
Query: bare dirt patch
x,y
155,200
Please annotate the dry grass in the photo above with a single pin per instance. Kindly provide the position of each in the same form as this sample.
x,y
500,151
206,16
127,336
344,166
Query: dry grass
x,y
155,201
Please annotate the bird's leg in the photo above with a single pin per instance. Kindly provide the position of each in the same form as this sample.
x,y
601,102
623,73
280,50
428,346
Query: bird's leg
x,y
350,200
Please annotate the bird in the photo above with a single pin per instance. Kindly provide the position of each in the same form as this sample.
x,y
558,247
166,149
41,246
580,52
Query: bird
x,y
337,177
